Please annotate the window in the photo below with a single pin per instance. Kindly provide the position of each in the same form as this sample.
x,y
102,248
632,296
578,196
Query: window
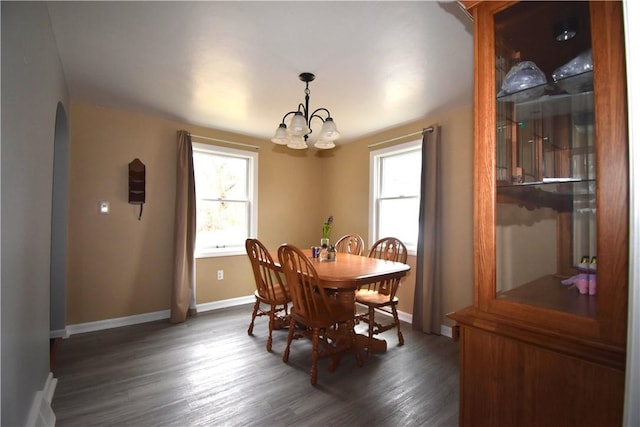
x,y
395,193
226,188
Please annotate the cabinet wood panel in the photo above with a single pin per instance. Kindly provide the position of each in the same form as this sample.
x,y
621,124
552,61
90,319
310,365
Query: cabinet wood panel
x,y
535,352
526,385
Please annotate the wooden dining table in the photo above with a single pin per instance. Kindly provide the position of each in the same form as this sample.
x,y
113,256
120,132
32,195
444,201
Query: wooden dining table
x,y
347,273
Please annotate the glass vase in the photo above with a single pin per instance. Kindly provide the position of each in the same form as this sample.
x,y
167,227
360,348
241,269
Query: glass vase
x,y
324,247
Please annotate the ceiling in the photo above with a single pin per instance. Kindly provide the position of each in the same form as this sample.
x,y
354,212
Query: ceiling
x,y
234,65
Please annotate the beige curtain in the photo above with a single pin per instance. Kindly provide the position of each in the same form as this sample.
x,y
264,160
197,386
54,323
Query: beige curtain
x,y
184,237
426,303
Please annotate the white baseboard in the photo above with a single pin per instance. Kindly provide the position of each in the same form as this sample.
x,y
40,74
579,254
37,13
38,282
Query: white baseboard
x,y
406,317
446,331
216,305
117,322
41,414
403,316
59,333
147,317
165,314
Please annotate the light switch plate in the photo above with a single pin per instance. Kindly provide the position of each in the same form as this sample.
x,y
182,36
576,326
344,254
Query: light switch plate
x,y
104,208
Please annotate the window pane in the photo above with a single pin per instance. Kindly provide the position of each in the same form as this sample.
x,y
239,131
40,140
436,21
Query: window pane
x,y
220,177
399,218
221,224
401,174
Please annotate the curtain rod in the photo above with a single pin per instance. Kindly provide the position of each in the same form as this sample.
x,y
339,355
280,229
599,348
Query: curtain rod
x,y
225,141
429,129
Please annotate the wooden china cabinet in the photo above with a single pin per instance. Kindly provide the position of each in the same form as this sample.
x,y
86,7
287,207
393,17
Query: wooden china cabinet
x,y
544,342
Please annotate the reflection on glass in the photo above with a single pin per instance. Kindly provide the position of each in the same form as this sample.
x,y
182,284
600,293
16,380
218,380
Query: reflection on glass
x,y
545,170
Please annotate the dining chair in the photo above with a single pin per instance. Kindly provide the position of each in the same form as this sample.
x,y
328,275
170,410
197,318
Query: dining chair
x,y
382,295
350,244
271,289
317,314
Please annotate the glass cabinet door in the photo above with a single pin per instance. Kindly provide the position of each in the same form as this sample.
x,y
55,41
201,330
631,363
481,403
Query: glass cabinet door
x,y
545,206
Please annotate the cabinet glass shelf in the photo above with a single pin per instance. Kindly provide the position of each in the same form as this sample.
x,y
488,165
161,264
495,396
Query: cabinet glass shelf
x,y
555,105
567,196
549,292
545,190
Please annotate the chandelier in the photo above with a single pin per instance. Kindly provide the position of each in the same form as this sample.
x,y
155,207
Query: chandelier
x,y
296,134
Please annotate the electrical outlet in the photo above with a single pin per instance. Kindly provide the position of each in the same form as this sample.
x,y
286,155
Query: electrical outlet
x,y
220,274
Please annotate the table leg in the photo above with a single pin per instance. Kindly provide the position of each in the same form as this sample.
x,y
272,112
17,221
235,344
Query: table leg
x,y
348,299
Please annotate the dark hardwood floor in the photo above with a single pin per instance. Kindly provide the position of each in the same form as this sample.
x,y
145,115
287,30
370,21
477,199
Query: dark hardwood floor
x,y
209,372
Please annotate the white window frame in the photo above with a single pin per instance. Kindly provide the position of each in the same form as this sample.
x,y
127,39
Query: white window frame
x,y
252,196
375,161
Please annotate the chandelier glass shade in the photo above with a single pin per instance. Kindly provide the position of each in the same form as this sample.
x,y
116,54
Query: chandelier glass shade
x,y
296,134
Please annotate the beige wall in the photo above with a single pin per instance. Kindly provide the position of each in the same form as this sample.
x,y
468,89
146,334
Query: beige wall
x,y
349,172
119,266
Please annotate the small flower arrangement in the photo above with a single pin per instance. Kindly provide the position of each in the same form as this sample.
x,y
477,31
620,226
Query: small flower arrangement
x,y
326,227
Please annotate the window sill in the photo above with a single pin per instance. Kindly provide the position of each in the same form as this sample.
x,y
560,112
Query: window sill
x,y
216,254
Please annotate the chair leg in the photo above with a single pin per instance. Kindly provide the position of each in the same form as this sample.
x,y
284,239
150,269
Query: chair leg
x,y
314,356
397,321
272,321
292,327
256,306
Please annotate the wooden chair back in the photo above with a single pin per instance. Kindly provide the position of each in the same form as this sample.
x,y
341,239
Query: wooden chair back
x,y
350,244
388,249
327,323
269,283
309,299
382,295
